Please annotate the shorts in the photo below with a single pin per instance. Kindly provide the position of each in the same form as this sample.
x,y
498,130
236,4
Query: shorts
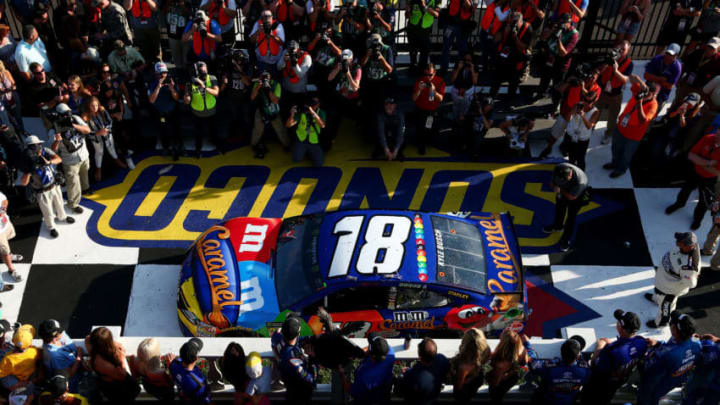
x,y
5,237
630,29
558,129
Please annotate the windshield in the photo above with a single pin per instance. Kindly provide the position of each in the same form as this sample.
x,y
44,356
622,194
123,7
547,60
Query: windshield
x,y
297,274
460,254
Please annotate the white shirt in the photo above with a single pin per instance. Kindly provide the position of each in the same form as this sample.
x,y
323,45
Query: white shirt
x,y
231,24
676,276
576,127
25,54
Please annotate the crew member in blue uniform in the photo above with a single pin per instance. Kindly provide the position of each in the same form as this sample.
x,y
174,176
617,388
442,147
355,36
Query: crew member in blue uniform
x,y
191,382
614,361
561,379
296,368
669,364
703,386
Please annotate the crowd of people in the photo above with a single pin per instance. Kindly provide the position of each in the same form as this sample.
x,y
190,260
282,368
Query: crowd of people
x,y
62,372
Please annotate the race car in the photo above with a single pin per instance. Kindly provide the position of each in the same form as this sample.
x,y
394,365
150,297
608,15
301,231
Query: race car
x,y
399,273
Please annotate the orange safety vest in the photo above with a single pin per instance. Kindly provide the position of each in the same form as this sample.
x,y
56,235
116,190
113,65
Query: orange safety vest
x,y
455,7
530,14
564,8
284,13
266,43
218,14
199,43
290,73
140,9
519,65
489,22
607,74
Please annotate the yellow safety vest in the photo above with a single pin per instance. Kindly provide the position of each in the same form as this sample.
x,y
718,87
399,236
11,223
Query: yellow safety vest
x,y
197,102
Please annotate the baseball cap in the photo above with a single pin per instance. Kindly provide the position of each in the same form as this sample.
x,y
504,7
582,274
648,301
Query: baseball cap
x,y
291,328
572,348
378,345
32,140
119,44
201,14
5,326
58,384
293,45
687,238
253,365
62,108
684,322
22,339
200,64
49,328
347,54
628,320
714,42
190,349
374,38
672,49
693,99
161,67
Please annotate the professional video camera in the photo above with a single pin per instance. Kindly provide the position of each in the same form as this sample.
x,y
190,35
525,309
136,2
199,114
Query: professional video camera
x,y
61,122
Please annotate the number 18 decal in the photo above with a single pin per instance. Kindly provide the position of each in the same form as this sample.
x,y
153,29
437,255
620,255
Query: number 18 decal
x,y
382,250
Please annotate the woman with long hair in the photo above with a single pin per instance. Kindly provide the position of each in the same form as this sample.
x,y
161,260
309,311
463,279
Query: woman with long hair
x,y
7,47
78,93
509,362
100,123
107,359
10,97
151,366
467,367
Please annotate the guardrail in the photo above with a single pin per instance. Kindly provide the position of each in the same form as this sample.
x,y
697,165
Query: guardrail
x,y
215,347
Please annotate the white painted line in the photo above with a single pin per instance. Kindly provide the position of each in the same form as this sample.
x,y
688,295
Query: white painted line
x,y
152,310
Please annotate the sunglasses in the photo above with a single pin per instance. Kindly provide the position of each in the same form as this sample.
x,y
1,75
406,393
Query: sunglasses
x,y
39,72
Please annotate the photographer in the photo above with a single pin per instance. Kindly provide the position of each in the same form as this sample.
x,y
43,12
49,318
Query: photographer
x,y
201,94
390,126
266,93
268,36
631,14
459,28
382,19
677,24
612,79
224,12
163,95
633,123
495,14
251,12
664,70
346,77
377,64
309,121
123,58
68,132
101,136
235,90
354,26
421,16
581,87
46,91
512,41
291,15
698,68
144,23
476,123
176,14
319,15
516,130
42,181
560,39
428,94
464,78
202,34
294,65
325,52
578,132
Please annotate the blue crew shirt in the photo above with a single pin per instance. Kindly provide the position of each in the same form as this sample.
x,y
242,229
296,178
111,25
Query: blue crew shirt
x,y
667,366
373,381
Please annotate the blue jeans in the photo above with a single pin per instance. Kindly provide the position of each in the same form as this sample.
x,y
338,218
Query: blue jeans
x,y
623,150
452,35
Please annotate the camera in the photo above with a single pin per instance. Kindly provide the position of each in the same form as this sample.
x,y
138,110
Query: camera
x,y
580,106
641,94
266,27
60,122
345,64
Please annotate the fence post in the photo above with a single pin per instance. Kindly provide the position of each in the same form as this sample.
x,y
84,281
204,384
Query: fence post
x,y
591,14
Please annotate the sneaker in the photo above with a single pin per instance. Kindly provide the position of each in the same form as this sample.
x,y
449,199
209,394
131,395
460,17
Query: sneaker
x,y
7,287
16,257
695,224
77,210
551,229
672,208
54,233
649,297
608,166
15,276
131,165
564,245
705,252
70,220
616,174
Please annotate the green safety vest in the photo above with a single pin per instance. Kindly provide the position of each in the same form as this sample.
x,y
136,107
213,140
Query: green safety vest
x,y
197,102
304,129
416,14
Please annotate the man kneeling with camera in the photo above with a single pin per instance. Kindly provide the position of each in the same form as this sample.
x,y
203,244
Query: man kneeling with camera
x,y
309,121
42,179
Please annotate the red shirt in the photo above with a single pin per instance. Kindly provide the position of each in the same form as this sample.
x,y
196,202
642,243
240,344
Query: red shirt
x,y
423,101
631,128
707,147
